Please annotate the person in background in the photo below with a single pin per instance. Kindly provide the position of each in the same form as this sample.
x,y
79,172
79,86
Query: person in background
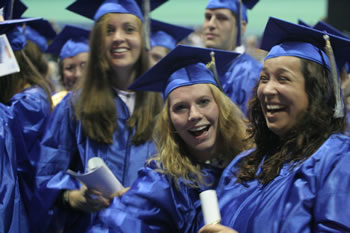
x,y
223,28
164,38
25,105
198,132
101,119
298,178
38,34
71,46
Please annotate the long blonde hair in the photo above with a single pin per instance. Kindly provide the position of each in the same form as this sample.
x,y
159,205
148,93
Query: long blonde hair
x,y
95,106
172,154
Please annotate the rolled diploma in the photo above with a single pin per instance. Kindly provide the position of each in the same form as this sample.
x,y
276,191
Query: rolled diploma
x,y
210,207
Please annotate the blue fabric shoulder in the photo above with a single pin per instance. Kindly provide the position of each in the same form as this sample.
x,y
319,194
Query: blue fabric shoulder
x,y
240,79
311,197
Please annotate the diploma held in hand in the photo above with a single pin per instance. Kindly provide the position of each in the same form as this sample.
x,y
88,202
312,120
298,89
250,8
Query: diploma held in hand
x,y
99,177
210,207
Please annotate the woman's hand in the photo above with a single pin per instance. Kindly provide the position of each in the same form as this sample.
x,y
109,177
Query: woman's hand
x,y
216,228
120,193
87,200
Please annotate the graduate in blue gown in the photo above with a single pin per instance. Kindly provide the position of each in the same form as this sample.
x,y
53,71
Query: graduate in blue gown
x,y
25,98
164,38
197,133
71,46
298,178
13,218
224,24
101,119
38,34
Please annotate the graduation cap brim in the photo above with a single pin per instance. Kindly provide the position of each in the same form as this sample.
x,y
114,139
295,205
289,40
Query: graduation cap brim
x,y
88,8
322,26
7,25
18,9
301,22
250,3
177,32
68,32
278,31
155,79
43,27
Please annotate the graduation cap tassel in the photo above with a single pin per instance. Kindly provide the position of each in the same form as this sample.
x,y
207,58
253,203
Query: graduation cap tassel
x,y
146,26
339,105
212,66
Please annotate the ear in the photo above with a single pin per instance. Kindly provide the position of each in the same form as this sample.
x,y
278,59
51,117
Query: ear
x,y
243,27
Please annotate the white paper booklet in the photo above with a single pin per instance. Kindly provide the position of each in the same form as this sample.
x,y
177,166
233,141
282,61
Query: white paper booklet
x,y
99,177
8,62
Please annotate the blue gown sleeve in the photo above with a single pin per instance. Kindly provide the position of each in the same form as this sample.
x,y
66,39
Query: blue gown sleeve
x,y
12,215
57,148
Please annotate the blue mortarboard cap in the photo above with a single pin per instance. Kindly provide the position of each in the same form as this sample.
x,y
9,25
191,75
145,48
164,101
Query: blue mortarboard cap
x,y
40,32
322,26
69,42
240,10
14,32
183,66
288,39
167,35
302,22
17,10
94,9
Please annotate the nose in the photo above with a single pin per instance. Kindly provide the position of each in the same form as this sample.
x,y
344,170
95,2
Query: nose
x,y
211,22
270,88
118,35
194,114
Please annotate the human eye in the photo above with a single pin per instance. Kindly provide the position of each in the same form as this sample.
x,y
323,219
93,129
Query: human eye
x,y
263,78
179,108
221,17
69,68
204,102
283,78
110,29
130,28
207,16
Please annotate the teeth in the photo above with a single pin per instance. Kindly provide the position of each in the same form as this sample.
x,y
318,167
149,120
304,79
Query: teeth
x,y
120,50
273,107
198,129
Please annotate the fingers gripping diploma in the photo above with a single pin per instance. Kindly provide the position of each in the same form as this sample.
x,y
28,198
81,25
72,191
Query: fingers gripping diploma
x,y
87,200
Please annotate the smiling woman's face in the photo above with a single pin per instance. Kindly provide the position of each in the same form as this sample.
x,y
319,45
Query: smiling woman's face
x,y
281,92
194,115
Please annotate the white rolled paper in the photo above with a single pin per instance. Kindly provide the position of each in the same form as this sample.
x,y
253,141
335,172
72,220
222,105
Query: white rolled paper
x,y
210,206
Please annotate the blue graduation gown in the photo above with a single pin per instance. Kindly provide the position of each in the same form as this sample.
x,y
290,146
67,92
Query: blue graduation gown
x,y
313,197
13,218
26,115
155,204
64,146
240,79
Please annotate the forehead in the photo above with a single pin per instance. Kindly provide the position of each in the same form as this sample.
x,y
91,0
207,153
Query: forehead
x,y
121,18
189,93
219,11
283,62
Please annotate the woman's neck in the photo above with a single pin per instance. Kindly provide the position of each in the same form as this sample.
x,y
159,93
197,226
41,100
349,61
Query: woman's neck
x,y
122,78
